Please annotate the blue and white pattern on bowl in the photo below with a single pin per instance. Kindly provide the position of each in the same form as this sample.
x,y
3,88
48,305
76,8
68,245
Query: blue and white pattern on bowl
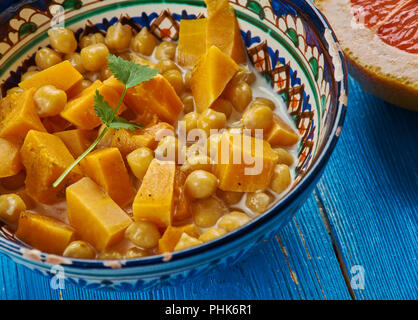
x,y
289,42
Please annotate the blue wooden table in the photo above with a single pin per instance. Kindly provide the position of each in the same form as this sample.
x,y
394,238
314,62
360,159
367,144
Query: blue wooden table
x,y
355,237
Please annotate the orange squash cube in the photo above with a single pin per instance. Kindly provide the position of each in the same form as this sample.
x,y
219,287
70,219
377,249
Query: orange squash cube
x,y
155,198
44,233
242,166
106,168
62,76
76,140
172,236
11,163
127,141
223,30
281,134
156,95
80,110
18,115
210,76
45,158
55,124
192,41
94,215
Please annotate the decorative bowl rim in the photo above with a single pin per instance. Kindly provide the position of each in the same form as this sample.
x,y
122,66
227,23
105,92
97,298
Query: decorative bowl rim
x,y
13,249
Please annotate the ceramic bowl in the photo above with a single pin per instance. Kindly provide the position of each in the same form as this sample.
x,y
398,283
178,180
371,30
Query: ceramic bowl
x,y
291,45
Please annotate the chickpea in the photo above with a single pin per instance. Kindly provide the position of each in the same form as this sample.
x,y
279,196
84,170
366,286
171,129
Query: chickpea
x,y
139,161
239,94
222,105
176,80
11,205
166,50
110,254
118,37
197,162
94,57
62,40
13,90
281,178
79,250
258,202
206,212
186,241
75,59
143,234
200,184
14,182
28,75
211,119
187,79
230,197
233,220
188,104
105,73
190,120
211,234
46,58
284,156
90,39
244,75
134,252
144,42
168,149
49,101
212,145
258,117
165,65
263,101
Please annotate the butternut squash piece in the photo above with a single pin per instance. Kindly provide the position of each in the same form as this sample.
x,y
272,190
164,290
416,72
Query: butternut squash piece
x,y
106,168
45,158
281,134
55,124
94,215
80,110
192,41
44,233
182,202
210,76
239,154
156,95
76,140
186,241
62,76
18,115
11,163
223,30
127,141
172,236
155,198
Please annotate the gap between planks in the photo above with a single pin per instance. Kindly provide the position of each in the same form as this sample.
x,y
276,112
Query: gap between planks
x,y
335,244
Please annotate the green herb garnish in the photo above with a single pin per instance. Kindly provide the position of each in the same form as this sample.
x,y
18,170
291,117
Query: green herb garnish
x,y
130,74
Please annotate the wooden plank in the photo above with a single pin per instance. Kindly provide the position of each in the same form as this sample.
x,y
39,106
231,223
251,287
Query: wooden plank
x,y
300,265
370,194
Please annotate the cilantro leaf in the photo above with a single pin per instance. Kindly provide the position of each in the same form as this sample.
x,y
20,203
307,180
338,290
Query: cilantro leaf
x,y
129,72
121,123
103,110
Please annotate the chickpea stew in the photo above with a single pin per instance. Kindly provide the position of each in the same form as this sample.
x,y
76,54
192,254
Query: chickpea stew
x,y
211,147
